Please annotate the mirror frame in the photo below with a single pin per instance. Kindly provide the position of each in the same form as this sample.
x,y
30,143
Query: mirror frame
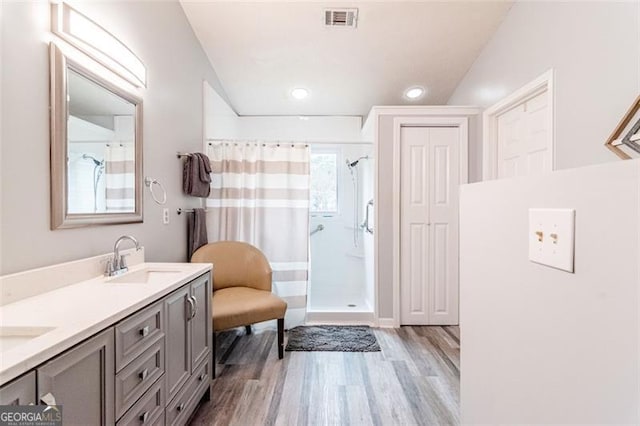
x,y
60,218
614,143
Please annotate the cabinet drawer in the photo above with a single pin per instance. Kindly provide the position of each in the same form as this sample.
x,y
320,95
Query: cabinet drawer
x,y
180,409
21,391
149,410
134,379
138,333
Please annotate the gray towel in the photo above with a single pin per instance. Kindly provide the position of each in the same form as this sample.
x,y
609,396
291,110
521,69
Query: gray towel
x,y
196,178
196,231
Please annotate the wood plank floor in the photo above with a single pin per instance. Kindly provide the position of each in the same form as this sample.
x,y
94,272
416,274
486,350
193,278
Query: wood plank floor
x,y
414,380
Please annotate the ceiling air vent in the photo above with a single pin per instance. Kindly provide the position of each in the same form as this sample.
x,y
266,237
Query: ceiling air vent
x,y
341,18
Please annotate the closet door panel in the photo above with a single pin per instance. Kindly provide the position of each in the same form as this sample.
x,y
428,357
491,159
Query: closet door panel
x,y
444,181
414,225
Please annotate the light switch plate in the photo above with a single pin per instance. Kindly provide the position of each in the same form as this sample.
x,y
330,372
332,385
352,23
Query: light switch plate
x,y
552,237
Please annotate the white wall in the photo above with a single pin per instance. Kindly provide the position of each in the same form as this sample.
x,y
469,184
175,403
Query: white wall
x,y
220,120
323,129
594,49
158,32
542,346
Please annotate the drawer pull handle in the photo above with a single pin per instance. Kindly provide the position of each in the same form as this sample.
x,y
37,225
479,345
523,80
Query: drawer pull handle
x,y
180,407
143,374
48,399
202,377
144,331
144,416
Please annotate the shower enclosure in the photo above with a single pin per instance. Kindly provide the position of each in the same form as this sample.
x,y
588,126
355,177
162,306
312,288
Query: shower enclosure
x,y
341,241
86,181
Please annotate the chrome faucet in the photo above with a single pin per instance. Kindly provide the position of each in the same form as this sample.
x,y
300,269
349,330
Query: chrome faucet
x,y
117,264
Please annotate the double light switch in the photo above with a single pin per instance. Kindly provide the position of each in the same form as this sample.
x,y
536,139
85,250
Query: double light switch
x,y
552,237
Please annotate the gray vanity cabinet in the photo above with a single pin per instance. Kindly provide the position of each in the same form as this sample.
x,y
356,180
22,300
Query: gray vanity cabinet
x,y
152,367
188,337
201,321
178,354
82,381
21,391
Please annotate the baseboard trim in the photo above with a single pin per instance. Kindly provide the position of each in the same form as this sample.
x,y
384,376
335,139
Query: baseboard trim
x,y
386,323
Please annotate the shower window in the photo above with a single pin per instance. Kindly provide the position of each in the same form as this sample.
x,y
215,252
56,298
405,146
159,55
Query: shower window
x,y
324,182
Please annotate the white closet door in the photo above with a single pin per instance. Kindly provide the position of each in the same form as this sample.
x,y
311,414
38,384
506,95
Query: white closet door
x,y
538,135
444,180
414,225
429,180
524,146
511,143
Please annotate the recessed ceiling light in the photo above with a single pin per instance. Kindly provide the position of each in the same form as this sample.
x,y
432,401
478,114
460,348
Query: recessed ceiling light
x,y
414,93
299,93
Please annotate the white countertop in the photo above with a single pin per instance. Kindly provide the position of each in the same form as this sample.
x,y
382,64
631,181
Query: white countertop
x,y
80,310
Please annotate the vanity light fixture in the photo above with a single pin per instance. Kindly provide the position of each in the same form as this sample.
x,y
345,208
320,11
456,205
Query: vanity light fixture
x,y
414,93
96,42
299,93
93,66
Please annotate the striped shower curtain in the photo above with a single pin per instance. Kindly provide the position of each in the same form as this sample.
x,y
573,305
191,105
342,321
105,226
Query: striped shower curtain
x,y
120,177
260,195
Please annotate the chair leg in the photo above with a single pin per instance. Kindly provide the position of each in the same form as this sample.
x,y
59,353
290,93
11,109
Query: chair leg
x,y
280,338
248,328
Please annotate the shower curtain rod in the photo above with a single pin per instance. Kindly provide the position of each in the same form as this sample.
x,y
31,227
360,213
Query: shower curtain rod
x,y
288,142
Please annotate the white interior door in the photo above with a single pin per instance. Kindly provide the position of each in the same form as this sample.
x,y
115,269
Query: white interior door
x,y
429,180
444,236
414,225
523,137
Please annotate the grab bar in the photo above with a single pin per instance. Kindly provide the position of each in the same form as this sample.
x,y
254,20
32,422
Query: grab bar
x,y
318,229
365,224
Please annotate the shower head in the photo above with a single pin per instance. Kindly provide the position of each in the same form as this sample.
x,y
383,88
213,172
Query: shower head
x,y
351,164
92,158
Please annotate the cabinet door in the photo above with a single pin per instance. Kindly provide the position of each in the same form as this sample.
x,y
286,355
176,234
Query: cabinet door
x,y
177,340
21,391
82,381
201,321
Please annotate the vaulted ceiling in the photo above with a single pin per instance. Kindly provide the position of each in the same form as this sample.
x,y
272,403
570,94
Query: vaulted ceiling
x,y
262,50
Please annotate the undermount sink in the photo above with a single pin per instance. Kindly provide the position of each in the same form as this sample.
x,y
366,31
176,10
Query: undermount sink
x,y
10,337
143,276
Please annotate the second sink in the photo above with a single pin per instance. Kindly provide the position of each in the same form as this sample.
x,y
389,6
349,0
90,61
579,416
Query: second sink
x,y
10,337
143,276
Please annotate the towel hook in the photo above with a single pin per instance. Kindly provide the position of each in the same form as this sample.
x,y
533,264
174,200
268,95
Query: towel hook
x,y
149,182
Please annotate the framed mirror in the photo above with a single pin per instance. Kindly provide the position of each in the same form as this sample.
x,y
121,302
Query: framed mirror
x,y
96,147
625,139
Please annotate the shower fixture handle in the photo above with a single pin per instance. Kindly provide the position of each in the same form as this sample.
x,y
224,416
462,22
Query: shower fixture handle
x,y
365,224
318,229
